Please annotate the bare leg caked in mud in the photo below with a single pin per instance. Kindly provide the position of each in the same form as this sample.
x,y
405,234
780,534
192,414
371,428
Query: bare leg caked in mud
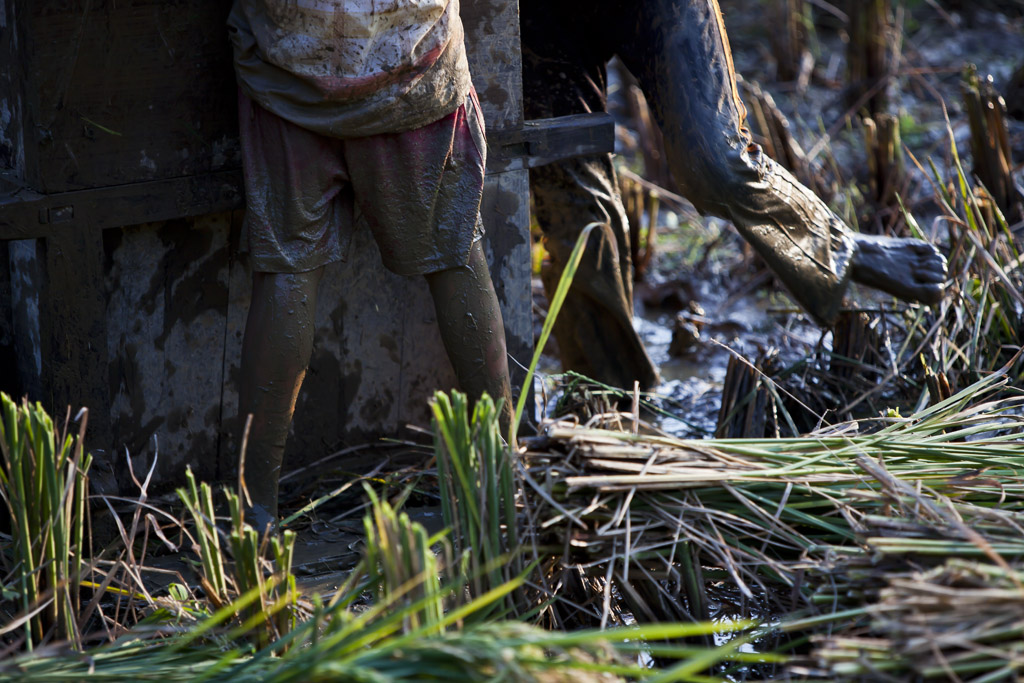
x,y
276,349
278,344
472,330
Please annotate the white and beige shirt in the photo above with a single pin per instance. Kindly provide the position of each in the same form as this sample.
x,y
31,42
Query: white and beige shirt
x,y
351,68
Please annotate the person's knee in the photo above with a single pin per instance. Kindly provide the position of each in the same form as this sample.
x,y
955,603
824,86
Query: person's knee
x,y
449,282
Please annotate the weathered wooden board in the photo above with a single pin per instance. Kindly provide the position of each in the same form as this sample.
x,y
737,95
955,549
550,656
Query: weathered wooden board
x,y
495,61
119,91
73,325
12,167
544,141
12,100
24,268
26,214
9,380
167,295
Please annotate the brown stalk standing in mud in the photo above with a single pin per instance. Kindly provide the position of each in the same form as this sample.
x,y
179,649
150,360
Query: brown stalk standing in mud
x,y
679,53
347,109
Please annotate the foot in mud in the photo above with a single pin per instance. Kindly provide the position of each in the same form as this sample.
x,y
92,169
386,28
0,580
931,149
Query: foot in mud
x,y
909,269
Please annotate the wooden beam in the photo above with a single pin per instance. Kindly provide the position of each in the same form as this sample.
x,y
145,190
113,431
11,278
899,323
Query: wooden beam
x,y
25,214
544,141
74,334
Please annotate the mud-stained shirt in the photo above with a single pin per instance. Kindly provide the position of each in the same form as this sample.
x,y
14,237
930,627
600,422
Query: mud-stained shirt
x,y
351,68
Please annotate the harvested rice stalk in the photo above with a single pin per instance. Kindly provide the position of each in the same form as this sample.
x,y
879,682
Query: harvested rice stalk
x,y
798,515
748,406
887,175
642,204
990,143
793,61
961,619
870,55
855,357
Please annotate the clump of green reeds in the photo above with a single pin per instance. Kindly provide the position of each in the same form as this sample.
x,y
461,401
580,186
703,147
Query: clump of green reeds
x,y
478,491
341,645
980,321
44,485
410,573
261,566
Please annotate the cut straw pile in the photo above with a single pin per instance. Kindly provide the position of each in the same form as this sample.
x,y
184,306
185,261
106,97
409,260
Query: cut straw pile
x,y
862,532
956,620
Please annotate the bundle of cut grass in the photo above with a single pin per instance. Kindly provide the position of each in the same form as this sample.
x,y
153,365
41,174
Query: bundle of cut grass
x,y
959,621
799,522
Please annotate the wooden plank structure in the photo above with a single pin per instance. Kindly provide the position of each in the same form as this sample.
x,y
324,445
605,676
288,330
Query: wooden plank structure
x,y
121,288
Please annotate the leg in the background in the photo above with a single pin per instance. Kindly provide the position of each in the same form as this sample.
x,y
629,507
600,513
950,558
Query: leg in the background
x,y
565,48
594,329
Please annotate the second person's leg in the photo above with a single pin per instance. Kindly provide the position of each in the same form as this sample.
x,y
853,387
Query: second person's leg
x,y
680,54
565,47
594,329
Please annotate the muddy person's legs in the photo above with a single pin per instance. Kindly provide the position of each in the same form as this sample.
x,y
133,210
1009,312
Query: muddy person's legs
x,y
471,327
275,353
680,54
594,329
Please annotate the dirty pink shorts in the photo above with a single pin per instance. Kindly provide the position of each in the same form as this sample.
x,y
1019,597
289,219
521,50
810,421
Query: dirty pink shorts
x,y
418,192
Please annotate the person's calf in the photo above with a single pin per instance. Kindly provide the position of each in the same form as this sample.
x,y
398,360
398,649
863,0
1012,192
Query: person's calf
x,y
276,348
472,330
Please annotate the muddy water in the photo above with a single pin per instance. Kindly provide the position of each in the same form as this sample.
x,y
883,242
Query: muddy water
x,y
748,324
692,384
